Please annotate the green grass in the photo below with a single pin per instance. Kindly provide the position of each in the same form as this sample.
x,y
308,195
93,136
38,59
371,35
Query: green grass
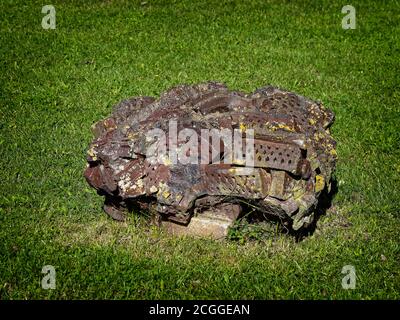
x,y
56,83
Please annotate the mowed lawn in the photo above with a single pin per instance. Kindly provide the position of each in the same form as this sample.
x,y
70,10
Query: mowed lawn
x,y
56,83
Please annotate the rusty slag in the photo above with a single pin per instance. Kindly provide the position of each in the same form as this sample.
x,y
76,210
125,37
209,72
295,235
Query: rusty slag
x,y
284,137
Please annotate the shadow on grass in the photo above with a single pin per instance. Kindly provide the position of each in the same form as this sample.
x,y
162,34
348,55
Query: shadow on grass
x,y
252,225
258,225
324,203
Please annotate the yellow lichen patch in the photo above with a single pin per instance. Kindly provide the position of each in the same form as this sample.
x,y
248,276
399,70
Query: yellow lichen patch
x,y
298,193
238,162
178,197
166,194
163,190
319,183
132,135
319,136
312,121
242,127
92,153
285,127
232,170
166,161
333,152
244,171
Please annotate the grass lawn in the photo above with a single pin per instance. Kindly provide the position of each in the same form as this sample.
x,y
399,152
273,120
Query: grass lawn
x,y
55,83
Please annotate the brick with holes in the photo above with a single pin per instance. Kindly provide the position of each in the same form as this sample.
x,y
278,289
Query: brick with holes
x,y
285,135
